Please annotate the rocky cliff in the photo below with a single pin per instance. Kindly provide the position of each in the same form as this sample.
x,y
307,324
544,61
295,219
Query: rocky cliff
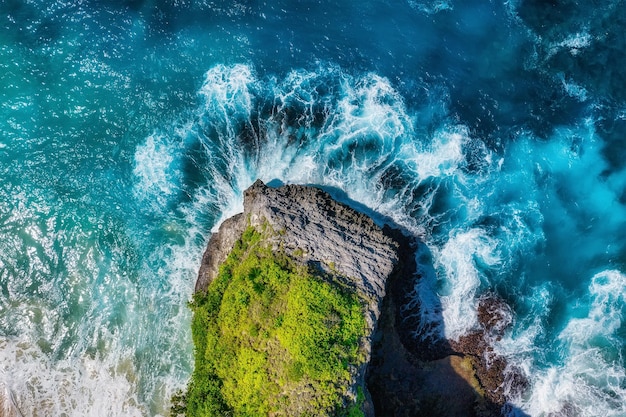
x,y
317,230
400,376
314,229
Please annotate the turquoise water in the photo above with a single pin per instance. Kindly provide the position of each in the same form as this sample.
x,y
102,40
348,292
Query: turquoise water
x,y
495,130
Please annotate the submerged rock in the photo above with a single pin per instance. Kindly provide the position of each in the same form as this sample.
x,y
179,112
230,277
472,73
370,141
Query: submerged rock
x,y
8,406
497,378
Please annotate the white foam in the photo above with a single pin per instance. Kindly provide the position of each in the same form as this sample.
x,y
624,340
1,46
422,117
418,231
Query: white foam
x,y
87,329
363,127
605,312
590,380
576,42
227,96
444,156
431,7
425,301
573,89
461,260
75,386
155,169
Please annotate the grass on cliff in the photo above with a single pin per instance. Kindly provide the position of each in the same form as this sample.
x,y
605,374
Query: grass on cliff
x,y
272,338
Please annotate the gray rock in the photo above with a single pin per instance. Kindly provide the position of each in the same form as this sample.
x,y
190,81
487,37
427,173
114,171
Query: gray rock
x,y
406,375
220,244
313,228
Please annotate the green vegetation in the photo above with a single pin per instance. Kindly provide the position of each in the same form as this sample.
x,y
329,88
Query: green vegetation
x,y
272,338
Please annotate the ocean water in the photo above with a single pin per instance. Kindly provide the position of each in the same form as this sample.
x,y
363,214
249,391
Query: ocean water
x,y
496,130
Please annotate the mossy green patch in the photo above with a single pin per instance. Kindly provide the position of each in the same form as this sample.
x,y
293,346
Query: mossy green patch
x,y
273,338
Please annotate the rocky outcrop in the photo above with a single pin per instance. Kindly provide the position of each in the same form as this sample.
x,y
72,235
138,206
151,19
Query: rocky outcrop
x,y
313,228
406,376
410,376
497,379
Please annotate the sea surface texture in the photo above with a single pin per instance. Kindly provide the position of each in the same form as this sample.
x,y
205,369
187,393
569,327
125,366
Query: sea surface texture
x,y
496,130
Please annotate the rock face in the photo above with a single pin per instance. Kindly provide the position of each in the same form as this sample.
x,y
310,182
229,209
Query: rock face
x,y
315,229
401,376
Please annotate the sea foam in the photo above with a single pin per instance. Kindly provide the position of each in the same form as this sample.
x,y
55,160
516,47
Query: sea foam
x,y
589,380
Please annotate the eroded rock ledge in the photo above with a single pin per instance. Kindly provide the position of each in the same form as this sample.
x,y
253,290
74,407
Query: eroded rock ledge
x,y
401,376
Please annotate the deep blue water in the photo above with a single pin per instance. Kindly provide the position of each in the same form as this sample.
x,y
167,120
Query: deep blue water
x,y
495,130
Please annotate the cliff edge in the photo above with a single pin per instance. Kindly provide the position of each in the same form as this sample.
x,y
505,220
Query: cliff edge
x,y
341,244
396,374
312,227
